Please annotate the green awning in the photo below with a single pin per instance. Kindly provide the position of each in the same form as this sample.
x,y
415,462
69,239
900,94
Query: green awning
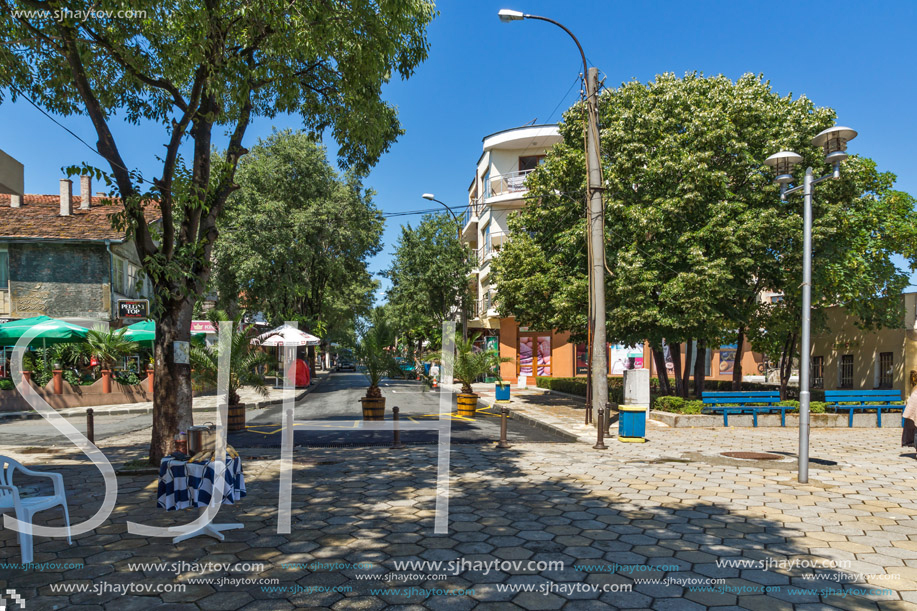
x,y
50,331
145,332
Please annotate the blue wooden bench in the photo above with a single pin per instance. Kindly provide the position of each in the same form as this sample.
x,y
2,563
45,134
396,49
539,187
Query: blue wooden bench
x,y
862,400
744,402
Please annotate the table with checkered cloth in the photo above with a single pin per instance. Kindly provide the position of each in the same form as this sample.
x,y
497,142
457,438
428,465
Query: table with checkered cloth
x,y
187,484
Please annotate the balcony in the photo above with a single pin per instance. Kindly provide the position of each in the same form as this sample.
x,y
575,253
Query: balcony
x,y
492,247
508,184
470,219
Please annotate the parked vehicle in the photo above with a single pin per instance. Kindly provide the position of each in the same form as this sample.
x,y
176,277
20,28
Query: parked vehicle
x,y
346,364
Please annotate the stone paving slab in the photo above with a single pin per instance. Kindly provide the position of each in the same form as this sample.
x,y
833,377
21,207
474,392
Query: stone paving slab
x,y
672,510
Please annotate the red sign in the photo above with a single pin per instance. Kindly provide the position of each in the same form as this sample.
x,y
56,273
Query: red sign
x,y
202,326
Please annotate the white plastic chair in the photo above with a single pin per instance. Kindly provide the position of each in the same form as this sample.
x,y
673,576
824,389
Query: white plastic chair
x,y
25,508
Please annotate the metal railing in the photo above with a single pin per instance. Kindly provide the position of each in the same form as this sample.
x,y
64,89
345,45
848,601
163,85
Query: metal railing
x,y
512,182
489,249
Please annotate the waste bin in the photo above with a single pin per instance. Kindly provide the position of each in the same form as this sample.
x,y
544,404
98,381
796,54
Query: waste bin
x,y
631,424
502,391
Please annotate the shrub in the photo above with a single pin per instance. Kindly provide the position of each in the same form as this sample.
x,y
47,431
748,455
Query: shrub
x,y
577,386
668,403
127,378
815,407
7,384
72,377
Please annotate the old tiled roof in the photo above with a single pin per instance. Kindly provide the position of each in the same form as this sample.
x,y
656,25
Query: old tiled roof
x,y
39,217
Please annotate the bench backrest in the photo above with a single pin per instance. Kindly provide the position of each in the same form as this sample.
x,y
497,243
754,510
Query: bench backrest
x,y
862,396
740,397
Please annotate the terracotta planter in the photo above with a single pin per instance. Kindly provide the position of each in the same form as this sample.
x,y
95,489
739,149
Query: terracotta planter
x,y
58,379
467,405
373,408
106,381
149,380
27,376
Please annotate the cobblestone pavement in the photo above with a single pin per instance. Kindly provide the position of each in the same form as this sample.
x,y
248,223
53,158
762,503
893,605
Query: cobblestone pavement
x,y
670,513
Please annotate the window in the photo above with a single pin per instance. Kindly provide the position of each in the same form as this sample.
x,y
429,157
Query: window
x,y
4,270
530,162
132,277
118,274
818,372
886,369
776,298
845,371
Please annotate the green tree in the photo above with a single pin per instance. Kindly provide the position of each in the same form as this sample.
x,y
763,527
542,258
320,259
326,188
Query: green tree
x,y
295,239
374,353
694,227
195,67
429,276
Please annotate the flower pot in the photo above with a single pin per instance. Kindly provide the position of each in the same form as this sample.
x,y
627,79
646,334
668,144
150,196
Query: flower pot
x,y
149,380
467,405
26,376
502,392
58,379
373,408
106,381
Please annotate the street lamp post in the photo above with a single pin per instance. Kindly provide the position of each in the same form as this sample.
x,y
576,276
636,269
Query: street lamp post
x,y
834,142
598,359
458,229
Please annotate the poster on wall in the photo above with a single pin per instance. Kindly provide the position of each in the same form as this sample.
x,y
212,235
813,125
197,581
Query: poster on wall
x,y
582,363
623,357
544,355
727,359
490,343
525,356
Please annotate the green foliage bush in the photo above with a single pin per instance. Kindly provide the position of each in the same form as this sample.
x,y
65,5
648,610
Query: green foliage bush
x,y
6,384
668,403
577,386
127,378
815,407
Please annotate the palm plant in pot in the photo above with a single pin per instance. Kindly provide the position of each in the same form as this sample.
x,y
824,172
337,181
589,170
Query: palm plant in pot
x,y
246,362
109,346
470,364
378,362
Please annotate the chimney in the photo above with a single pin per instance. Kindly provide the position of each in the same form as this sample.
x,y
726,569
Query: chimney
x,y
15,200
85,192
66,197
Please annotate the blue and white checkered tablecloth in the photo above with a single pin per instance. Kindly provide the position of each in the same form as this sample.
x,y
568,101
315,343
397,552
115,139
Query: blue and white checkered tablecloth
x,y
187,484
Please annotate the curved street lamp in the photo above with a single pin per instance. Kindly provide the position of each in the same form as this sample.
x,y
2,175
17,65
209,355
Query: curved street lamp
x,y
458,228
834,143
599,356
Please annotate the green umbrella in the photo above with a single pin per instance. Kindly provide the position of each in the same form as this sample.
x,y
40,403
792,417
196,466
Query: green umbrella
x,y
52,331
145,332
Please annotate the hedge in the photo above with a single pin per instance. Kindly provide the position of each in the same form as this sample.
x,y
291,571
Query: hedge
x,y
577,386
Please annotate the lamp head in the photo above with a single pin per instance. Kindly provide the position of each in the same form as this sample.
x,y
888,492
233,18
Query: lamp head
x,y
508,15
783,163
428,196
834,142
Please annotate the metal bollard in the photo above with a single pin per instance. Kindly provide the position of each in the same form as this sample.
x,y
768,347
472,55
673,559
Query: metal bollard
x,y
90,426
600,430
504,416
396,442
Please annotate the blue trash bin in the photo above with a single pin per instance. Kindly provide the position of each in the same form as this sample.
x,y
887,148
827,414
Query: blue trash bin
x,y
502,392
631,424
426,368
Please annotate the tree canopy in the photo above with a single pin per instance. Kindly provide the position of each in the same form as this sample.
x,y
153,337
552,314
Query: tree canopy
x,y
295,239
694,227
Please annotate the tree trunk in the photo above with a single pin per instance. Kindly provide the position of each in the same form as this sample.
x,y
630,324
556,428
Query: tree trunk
x,y
680,390
171,381
311,352
686,374
661,372
737,363
700,362
786,363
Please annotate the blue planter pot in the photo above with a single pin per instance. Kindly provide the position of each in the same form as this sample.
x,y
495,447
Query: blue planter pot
x,y
502,392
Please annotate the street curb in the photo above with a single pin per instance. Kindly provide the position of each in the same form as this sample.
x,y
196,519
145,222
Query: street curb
x,y
100,411
534,422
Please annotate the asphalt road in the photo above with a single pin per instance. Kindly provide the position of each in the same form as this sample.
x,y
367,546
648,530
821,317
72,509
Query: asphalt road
x,y
336,398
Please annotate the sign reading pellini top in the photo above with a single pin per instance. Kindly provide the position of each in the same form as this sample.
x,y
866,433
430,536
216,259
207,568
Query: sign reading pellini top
x,y
133,308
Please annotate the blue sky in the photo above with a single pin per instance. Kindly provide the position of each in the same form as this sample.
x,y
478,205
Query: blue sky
x,y
483,76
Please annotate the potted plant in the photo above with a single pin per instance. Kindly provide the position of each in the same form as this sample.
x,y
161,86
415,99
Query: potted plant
x,y
378,362
150,369
108,346
245,364
468,366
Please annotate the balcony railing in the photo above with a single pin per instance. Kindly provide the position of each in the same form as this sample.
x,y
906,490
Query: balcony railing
x,y
492,245
513,182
